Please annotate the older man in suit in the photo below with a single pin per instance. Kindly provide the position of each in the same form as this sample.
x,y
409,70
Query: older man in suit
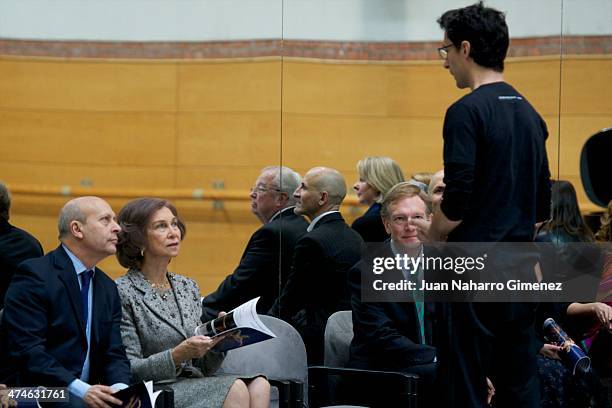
x,y
395,332
62,314
317,285
16,245
270,249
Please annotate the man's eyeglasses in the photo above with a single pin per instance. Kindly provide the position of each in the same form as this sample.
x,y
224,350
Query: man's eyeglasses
x,y
262,189
443,51
401,220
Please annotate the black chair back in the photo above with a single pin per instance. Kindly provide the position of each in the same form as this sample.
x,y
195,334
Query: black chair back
x,y
595,167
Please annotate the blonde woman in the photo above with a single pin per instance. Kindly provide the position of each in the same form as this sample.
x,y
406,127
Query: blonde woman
x,y
376,177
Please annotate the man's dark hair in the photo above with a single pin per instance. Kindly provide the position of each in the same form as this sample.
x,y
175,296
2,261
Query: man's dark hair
x,y
5,202
484,28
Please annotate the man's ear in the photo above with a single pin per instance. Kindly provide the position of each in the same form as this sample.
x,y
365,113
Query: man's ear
x,y
465,48
324,198
76,229
282,198
387,225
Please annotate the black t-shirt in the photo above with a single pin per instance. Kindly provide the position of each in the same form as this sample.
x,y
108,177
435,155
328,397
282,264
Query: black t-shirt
x,y
496,168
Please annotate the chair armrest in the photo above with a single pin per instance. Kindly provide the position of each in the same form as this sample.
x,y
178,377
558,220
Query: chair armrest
x,y
290,393
336,385
284,392
165,398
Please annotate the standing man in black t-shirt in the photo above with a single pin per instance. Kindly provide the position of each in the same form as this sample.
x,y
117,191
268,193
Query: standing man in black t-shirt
x,y
497,187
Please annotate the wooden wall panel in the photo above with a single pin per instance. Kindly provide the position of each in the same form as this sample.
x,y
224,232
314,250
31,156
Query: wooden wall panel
x,y
340,141
361,89
94,175
420,90
228,138
233,177
587,87
110,138
538,81
334,89
92,85
228,86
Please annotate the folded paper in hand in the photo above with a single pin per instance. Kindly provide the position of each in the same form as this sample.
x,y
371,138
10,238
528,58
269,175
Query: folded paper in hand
x,y
139,395
239,327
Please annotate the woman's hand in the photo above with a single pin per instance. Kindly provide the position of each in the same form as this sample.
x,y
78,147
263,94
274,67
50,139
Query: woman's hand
x,y
193,347
490,391
5,401
602,313
551,351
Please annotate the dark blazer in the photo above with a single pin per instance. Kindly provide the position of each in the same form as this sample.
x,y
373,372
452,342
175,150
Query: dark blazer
x,y
44,330
16,245
370,226
260,272
317,285
387,334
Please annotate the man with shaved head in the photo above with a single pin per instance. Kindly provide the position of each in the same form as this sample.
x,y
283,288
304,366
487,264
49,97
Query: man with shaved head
x,y
317,285
62,314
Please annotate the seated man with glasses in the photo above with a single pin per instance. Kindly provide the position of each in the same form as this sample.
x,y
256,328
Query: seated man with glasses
x,y
393,329
259,272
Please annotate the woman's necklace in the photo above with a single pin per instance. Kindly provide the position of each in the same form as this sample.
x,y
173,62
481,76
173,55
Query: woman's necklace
x,y
162,288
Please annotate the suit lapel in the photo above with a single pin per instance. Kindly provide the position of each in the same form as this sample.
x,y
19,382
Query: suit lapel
x,y
154,302
68,276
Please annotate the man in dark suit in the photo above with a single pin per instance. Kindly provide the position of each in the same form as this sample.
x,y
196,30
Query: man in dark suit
x,y
270,250
62,314
317,285
394,332
16,245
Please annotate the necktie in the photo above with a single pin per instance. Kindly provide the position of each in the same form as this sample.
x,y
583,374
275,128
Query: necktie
x,y
85,282
420,305
420,309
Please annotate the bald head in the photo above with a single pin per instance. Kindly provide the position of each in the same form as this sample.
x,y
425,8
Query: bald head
x,y
322,189
329,180
73,211
87,226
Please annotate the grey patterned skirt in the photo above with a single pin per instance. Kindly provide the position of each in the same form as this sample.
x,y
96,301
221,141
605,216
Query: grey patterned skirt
x,y
203,392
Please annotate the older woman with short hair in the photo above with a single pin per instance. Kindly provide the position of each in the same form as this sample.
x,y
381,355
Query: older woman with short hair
x,y
376,177
161,311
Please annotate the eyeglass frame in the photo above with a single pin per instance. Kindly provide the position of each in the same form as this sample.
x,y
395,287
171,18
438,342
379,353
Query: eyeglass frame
x,y
262,189
401,220
443,52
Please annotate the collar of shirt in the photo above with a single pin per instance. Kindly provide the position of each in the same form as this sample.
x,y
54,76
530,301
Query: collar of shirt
x,y
407,272
314,222
276,214
76,262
